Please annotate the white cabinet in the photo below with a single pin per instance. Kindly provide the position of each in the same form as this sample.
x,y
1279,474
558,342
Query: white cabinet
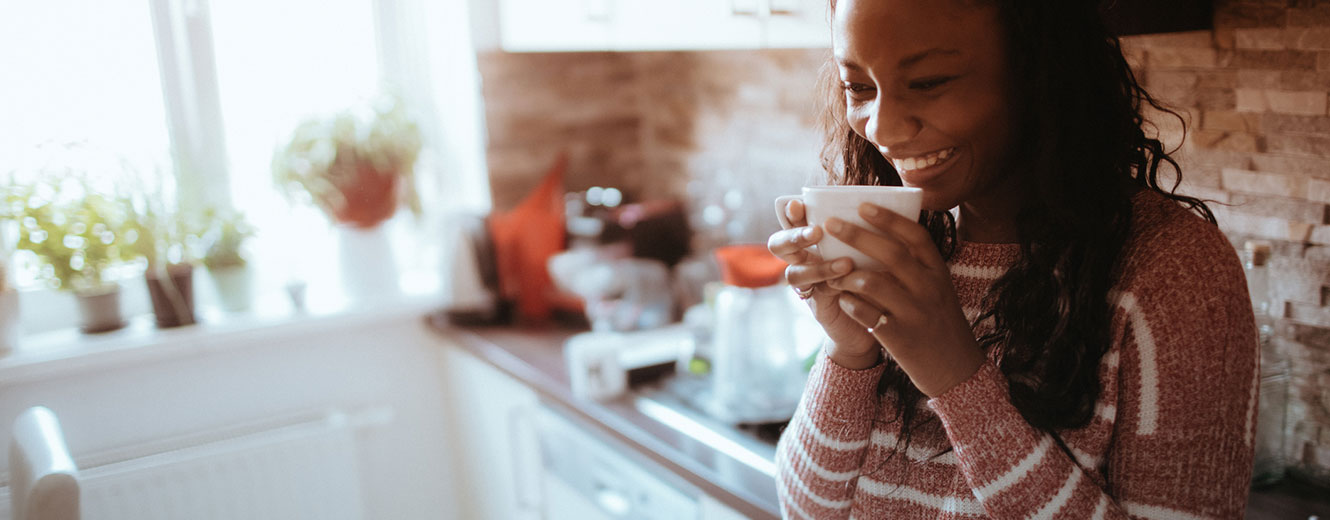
x,y
492,421
798,24
636,25
684,25
554,25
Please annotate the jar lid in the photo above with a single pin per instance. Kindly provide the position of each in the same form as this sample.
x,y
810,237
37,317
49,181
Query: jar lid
x,y
749,265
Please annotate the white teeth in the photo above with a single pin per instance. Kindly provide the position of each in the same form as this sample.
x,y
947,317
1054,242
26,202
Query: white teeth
x,y
915,163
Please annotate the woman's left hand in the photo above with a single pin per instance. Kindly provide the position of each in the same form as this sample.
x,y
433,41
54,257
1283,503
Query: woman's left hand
x,y
911,307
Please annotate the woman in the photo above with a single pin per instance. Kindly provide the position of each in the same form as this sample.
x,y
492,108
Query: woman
x,y
1071,341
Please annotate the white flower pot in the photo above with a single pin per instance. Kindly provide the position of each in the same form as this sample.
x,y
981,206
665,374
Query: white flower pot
x,y
9,321
235,287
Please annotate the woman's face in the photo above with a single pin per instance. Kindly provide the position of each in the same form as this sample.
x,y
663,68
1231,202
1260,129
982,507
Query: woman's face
x,y
926,82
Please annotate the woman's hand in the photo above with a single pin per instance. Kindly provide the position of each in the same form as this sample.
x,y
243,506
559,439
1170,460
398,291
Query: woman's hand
x,y
852,346
910,308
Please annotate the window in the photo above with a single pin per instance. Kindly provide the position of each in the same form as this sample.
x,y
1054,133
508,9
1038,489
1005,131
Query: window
x,y
213,87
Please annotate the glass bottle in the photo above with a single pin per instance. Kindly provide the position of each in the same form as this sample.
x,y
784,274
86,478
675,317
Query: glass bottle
x,y
1270,462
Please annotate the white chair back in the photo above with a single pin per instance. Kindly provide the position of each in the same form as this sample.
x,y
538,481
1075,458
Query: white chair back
x,y
43,480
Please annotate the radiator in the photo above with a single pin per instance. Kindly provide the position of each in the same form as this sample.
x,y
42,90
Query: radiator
x,y
297,467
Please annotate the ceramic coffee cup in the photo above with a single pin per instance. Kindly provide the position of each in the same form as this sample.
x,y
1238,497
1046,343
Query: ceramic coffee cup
x,y
823,202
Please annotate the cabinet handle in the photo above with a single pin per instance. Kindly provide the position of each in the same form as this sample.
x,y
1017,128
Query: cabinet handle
x,y
784,7
520,430
744,7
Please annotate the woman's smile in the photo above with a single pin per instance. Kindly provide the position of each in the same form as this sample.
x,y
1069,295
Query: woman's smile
x,y
920,169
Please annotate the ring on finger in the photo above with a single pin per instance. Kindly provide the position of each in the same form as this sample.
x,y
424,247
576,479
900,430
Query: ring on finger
x,y
881,321
803,294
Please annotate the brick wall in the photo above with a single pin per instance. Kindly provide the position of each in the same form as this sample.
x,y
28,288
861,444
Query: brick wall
x,y
728,131
1254,91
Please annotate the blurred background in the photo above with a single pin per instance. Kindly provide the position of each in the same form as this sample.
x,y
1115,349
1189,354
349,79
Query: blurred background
x,y
453,249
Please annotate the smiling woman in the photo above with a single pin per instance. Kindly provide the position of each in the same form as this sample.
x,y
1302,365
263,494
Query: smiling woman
x,y
1058,335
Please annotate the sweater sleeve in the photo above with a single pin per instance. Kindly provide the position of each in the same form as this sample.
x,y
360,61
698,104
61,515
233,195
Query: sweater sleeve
x,y
1182,423
821,451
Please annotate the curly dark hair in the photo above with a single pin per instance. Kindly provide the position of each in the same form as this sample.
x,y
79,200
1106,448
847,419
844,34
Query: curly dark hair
x,y
1081,153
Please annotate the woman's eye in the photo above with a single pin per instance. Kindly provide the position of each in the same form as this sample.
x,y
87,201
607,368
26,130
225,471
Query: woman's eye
x,y
857,90
928,84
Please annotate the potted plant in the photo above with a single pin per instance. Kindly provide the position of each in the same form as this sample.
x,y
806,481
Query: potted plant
x,y
166,235
223,239
357,166
78,235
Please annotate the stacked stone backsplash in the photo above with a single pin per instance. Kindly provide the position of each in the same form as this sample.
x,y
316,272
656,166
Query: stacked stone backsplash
x,y
1254,93
727,131
724,131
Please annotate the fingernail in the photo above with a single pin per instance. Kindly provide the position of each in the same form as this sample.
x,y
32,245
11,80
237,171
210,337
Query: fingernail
x,y
807,234
841,266
870,210
834,225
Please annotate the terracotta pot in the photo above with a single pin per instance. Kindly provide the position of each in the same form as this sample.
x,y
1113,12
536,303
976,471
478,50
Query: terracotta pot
x,y
172,296
371,199
100,311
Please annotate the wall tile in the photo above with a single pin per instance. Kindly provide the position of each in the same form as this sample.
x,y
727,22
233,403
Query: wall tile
x,y
1263,183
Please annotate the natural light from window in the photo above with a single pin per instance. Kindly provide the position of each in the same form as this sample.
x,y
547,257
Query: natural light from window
x,y
278,62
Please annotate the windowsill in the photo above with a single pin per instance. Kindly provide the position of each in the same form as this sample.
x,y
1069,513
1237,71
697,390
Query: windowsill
x,y
66,352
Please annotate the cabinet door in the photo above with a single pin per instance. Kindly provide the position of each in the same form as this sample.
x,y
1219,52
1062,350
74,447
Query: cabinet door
x,y
798,24
687,24
555,25
496,449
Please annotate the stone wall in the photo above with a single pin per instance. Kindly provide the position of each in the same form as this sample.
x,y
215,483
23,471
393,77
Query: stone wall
x,y
1254,92
727,131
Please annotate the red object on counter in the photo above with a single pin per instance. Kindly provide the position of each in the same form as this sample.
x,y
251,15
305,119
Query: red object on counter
x,y
524,240
749,265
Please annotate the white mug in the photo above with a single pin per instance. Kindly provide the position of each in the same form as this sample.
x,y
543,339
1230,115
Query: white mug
x,y
823,202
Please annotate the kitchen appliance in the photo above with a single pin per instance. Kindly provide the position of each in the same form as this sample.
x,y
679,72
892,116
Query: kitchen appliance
x,y
588,476
762,337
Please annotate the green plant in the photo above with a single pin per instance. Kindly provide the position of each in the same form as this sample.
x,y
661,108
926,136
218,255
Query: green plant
x,y
165,234
78,234
223,237
347,163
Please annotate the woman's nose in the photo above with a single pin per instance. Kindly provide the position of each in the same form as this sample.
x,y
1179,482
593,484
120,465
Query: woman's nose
x,y
892,124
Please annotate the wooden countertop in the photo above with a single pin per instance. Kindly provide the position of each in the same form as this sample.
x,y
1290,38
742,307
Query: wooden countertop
x,y
535,356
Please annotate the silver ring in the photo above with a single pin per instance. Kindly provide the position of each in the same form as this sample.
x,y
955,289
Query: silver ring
x,y
803,294
881,320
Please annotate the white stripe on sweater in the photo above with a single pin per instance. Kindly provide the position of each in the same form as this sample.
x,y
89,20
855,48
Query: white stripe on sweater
x,y
1017,472
1145,345
1101,509
968,506
822,473
888,440
829,442
1106,411
792,477
1158,512
1251,403
792,506
976,271
1060,500
1085,460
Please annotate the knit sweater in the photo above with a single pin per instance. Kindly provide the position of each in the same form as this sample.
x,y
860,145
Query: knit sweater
x,y
1171,434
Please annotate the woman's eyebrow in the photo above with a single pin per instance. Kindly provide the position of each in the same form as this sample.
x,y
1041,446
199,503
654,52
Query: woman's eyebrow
x,y
914,59
906,62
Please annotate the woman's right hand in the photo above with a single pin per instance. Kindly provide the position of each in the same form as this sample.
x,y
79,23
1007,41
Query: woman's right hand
x,y
851,345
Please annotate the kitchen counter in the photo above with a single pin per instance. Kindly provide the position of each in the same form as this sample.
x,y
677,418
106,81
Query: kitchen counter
x,y
535,356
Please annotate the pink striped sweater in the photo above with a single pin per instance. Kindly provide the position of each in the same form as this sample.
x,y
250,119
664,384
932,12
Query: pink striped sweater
x,y
1171,436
